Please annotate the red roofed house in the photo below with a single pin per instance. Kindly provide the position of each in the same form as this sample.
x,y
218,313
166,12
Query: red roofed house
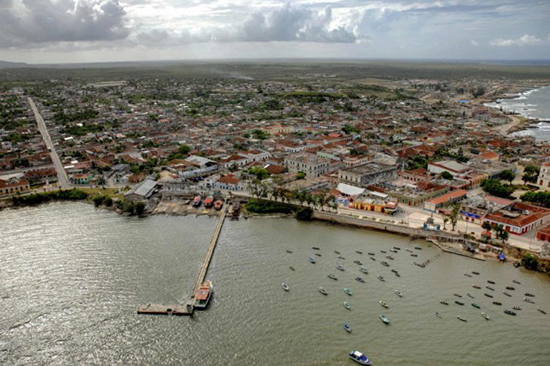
x,y
446,199
229,183
519,218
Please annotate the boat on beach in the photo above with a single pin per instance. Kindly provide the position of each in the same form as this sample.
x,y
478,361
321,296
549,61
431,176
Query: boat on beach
x,y
359,357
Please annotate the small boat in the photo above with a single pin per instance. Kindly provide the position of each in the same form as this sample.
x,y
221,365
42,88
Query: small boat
x,y
347,327
467,275
318,254
418,248
393,250
358,262
359,357
469,295
358,252
476,286
315,248
510,288
291,268
528,294
312,260
476,306
364,270
218,205
384,304
542,311
408,250
348,291
397,248
384,319
204,294
339,267
489,288
347,305
337,252
462,318
457,295
444,302
438,315
414,255
371,253
485,316
396,272
285,286
517,308
390,257
526,299
507,293
488,295
516,282
497,303
373,259
459,303
385,264
332,277
509,312
383,251
476,273
197,201
322,290
289,251
398,293
491,282
359,279
340,257
381,278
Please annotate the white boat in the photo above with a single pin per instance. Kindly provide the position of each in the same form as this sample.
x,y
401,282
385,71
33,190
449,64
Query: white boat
x,y
359,357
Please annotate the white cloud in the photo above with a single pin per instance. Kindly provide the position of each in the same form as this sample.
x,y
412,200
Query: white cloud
x,y
474,43
526,40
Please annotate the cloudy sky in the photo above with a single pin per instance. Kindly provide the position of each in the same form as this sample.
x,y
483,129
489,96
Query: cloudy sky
x,y
46,31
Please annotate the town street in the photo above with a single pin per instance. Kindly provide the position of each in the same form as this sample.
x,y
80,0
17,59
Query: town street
x,y
61,174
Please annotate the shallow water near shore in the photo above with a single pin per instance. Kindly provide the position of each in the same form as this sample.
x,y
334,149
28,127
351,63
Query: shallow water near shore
x,y
72,276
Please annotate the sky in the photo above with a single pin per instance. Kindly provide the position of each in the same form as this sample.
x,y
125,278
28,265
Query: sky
x,y
66,31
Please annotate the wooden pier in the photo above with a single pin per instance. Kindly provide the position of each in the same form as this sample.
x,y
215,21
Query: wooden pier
x,y
189,307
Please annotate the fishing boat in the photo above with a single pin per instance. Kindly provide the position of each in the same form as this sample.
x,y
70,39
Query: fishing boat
x,y
526,299
408,250
393,250
372,259
204,294
359,279
218,205
485,316
462,318
347,327
384,319
322,290
383,251
497,303
358,252
414,255
458,295
311,260
337,252
359,357
467,275
528,294
509,312
364,270
438,315
444,302
476,273
289,251
291,268
315,248
318,254
516,282
398,293
418,248
510,288
358,262
209,202
285,286
476,306
489,288
488,295
469,295
384,304
381,278
339,267
507,293
371,253
385,264
197,201
390,257
332,277
491,282
396,272
459,303
542,311
476,286
398,248
340,257
347,305
517,308
348,291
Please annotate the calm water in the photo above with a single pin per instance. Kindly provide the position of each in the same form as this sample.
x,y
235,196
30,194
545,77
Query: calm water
x,y
72,276
533,104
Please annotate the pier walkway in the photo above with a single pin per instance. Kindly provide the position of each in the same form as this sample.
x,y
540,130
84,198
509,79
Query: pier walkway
x,y
189,307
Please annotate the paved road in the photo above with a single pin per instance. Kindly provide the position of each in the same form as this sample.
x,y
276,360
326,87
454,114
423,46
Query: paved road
x,y
61,174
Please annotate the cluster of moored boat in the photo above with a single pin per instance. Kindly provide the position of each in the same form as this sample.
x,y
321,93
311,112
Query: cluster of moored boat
x,y
527,299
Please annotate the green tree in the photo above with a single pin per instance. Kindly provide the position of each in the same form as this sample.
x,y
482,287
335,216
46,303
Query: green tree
x,y
304,213
140,208
496,188
529,261
454,215
446,175
486,225
507,175
259,173
300,175
530,174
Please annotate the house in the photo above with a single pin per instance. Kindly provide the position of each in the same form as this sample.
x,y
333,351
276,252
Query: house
x,y
544,175
14,183
229,183
311,165
449,198
368,173
142,191
450,166
519,218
